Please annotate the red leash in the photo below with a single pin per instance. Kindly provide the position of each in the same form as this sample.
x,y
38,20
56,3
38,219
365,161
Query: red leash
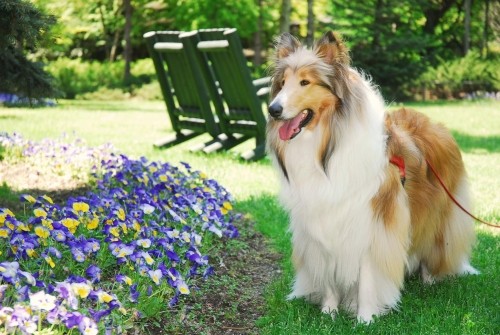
x,y
455,200
400,163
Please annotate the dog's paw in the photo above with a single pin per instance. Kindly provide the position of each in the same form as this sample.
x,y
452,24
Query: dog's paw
x,y
332,312
468,269
427,277
365,318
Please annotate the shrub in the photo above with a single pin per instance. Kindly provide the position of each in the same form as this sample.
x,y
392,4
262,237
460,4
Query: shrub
x,y
459,77
75,77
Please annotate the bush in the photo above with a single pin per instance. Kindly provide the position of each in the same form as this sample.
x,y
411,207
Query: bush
x,y
75,77
463,76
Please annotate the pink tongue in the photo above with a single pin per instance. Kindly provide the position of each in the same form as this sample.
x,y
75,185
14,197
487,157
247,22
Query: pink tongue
x,y
290,127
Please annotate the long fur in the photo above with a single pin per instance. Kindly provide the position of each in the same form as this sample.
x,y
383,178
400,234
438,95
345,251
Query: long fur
x,y
356,229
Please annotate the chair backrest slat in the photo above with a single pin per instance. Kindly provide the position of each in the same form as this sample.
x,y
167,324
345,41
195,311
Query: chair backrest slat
x,y
225,53
183,87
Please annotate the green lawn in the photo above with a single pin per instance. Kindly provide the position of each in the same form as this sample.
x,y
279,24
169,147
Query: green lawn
x,y
456,306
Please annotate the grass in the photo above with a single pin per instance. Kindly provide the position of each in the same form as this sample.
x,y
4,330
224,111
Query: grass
x,y
467,305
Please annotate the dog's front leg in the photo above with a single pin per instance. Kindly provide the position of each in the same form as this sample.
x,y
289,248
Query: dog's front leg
x,y
367,291
330,302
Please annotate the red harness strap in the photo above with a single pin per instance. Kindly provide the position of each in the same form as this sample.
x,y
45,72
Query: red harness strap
x,y
400,163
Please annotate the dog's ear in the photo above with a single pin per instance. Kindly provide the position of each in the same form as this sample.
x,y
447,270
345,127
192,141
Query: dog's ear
x,y
285,45
332,49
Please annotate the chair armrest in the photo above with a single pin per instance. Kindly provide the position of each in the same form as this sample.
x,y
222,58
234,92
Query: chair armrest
x,y
263,93
261,82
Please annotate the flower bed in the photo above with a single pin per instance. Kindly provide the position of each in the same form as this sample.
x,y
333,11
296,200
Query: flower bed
x,y
126,250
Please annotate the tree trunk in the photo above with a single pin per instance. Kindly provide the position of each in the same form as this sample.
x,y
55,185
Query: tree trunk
x,y
310,23
127,52
377,24
466,26
257,40
286,8
114,47
104,31
434,14
484,43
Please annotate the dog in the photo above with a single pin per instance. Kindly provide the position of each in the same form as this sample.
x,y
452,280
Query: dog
x,y
365,209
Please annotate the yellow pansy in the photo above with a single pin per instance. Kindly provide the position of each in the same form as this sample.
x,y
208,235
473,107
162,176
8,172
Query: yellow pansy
x,y
115,231
82,290
23,226
48,199
49,261
124,227
40,213
71,224
94,223
121,214
47,223
104,297
183,288
149,260
5,212
29,198
4,233
81,207
42,232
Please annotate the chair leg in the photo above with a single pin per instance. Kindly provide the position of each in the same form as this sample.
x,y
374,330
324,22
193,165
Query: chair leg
x,y
222,142
177,138
255,154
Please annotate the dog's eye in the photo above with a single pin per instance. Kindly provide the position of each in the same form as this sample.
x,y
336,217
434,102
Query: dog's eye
x,y
282,83
304,82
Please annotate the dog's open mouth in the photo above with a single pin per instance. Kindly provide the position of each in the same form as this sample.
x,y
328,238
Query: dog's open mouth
x,y
292,127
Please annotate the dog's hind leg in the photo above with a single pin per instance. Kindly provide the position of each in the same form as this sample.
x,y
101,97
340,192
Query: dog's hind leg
x,y
452,247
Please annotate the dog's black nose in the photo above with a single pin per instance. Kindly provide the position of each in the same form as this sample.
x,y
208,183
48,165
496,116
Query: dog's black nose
x,y
275,109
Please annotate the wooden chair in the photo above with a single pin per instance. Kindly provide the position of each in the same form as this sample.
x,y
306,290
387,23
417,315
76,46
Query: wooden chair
x,y
207,88
239,101
183,81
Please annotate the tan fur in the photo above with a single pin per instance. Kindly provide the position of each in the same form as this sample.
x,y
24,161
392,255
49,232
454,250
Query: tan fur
x,y
430,206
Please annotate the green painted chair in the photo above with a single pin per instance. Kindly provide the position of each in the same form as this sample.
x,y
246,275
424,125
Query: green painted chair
x,y
239,101
183,81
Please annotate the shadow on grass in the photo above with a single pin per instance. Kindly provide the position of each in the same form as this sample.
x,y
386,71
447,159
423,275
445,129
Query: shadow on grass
x,y
471,143
9,117
10,198
271,220
115,106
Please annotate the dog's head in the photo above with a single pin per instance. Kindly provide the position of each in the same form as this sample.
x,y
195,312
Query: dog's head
x,y
306,83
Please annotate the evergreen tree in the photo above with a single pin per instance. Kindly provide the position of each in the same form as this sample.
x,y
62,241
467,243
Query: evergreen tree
x,y
22,26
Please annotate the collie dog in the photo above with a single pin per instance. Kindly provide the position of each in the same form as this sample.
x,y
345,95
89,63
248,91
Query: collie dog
x,y
357,226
